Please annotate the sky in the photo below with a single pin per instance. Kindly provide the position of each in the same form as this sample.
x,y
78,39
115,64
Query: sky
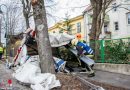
x,y
58,10
3,16
72,7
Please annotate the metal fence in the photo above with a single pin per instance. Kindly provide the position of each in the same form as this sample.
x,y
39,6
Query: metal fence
x,y
115,51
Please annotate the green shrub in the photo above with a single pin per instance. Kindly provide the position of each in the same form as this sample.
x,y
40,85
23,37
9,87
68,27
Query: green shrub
x,y
116,51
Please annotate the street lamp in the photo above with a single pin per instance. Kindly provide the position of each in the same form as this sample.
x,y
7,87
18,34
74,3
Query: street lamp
x,y
6,22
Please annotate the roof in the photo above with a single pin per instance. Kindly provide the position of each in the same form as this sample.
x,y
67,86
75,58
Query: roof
x,y
71,20
89,7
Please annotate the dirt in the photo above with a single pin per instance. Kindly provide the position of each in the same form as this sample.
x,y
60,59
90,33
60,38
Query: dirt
x,y
70,82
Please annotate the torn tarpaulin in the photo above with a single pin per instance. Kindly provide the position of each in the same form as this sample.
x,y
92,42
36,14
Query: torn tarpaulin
x,y
30,73
59,64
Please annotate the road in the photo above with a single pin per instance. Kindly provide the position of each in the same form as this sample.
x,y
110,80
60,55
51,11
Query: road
x,y
115,79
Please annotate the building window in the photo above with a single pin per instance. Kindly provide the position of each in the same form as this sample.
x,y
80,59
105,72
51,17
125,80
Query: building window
x,y
105,28
116,25
128,18
78,27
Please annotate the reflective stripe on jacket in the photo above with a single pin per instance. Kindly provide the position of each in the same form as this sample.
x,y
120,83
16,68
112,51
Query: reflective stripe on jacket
x,y
1,49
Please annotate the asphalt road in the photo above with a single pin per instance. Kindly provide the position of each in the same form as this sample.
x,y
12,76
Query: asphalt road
x,y
115,79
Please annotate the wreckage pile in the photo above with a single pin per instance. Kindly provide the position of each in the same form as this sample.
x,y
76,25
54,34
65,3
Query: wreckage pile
x,y
28,68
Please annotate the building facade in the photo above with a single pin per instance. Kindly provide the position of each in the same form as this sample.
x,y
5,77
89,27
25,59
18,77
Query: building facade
x,y
117,20
71,26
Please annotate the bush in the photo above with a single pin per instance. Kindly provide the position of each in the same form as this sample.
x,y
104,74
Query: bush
x,y
117,51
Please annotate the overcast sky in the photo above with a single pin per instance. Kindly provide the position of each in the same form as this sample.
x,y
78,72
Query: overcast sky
x,y
72,7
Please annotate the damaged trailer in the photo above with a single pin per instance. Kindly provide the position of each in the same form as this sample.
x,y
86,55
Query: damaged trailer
x,y
61,61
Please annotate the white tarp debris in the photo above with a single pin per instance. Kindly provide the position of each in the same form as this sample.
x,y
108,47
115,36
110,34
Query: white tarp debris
x,y
60,39
22,55
59,64
30,73
85,59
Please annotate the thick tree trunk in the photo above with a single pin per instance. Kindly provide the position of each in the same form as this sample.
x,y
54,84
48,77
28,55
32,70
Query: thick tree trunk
x,y
99,8
44,47
95,30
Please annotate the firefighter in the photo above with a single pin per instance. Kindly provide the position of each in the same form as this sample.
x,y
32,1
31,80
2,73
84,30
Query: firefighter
x,y
81,45
1,52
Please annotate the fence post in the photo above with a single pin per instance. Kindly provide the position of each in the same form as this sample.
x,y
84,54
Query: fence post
x,y
102,51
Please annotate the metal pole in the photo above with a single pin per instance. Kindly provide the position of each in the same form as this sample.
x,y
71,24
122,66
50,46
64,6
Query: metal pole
x,y
102,51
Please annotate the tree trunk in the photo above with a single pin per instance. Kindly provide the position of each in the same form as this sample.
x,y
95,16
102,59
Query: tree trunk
x,y
95,30
26,11
27,21
99,7
44,47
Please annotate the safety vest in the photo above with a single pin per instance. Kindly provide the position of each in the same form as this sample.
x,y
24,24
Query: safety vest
x,y
1,49
85,47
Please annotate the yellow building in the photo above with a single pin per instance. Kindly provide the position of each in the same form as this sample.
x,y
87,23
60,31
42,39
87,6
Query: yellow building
x,y
76,24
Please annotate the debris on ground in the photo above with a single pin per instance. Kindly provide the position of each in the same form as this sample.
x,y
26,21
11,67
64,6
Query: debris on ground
x,y
30,73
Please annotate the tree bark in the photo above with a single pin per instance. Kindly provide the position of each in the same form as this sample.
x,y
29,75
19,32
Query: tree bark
x,y
27,21
44,47
99,8
26,11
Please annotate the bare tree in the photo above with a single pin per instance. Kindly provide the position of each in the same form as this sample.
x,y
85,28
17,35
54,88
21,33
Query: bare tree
x,y
44,47
26,11
99,8
11,17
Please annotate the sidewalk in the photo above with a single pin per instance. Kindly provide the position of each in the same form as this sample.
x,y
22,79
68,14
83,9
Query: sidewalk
x,y
115,79
6,74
